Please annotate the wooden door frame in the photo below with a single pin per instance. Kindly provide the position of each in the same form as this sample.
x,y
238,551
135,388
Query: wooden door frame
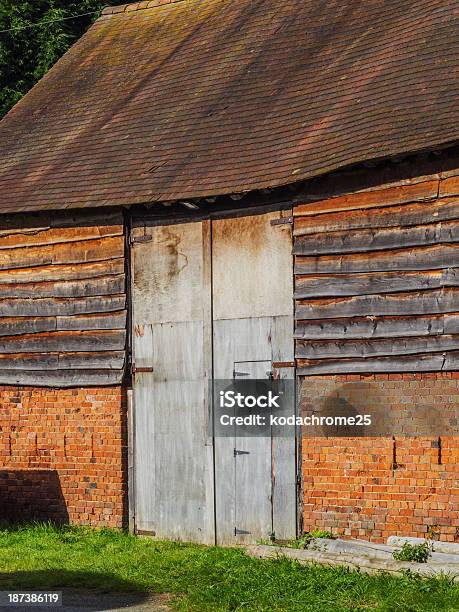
x,y
135,218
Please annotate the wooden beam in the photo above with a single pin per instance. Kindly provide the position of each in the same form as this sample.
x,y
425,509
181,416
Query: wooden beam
x,y
84,341
421,303
67,253
377,327
393,216
61,378
103,285
64,272
48,236
338,349
350,241
48,307
420,258
16,326
449,186
432,362
339,285
420,192
110,360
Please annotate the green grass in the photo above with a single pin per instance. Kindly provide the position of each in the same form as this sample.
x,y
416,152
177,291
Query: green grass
x,y
204,579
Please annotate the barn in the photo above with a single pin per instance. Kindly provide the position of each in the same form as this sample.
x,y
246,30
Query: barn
x,y
202,189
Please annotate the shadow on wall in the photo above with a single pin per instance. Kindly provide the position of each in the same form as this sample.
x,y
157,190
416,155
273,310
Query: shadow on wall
x,y
31,495
398,411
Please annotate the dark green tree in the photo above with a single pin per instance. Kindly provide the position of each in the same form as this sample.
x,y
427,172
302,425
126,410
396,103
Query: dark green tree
x,y
39,32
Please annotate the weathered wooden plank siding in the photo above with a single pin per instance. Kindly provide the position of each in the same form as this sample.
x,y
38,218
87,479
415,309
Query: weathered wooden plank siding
x,y
62,299
377,278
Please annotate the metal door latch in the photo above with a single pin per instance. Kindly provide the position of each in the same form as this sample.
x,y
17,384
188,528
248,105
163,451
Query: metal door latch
x,y
138,370
282,221
241,532
240,452
144,238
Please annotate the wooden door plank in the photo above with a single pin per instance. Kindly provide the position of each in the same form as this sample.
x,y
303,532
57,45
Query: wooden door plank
x,y
173,456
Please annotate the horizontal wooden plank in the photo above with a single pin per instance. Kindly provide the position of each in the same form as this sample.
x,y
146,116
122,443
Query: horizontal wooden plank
x,y
337,349
377,327
394,216
63,272
449,186
109,360
339,285
422,303
46,307
104,285
16,326
351,241
433,362
45,220
420,258
61,378
420,192
41,237
115,320
67,253
65,341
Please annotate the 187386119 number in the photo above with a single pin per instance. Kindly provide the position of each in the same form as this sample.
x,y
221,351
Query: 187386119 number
x,y
30,599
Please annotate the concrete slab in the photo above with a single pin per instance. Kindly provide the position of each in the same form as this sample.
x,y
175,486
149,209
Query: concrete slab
x,y
356,557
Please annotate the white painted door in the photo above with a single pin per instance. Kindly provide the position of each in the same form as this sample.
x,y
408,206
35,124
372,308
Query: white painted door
x,y
210,299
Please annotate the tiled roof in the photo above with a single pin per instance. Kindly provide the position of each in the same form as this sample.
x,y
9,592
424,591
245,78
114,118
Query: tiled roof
x,y
176,100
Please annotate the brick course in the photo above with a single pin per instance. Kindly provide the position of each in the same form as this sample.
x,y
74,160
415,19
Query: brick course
x,y
372,488
63,455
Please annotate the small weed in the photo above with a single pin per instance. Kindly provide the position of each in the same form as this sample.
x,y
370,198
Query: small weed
x,y
310,536
418,553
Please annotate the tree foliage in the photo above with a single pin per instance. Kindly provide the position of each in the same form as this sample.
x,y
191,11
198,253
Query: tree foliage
x,y
39,33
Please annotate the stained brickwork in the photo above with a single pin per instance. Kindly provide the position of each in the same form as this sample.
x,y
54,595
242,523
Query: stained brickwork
x,y
63,455
375,487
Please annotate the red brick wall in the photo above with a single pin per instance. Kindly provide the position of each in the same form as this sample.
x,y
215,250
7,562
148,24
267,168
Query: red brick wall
x,y
372,488
63,455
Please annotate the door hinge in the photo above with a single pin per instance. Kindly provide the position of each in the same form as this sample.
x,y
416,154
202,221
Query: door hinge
x,y
241,532
239,452
137,239
135,369
282,221
235,374
278,365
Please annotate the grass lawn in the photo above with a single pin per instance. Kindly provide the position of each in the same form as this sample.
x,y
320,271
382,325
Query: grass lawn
x,y
202,578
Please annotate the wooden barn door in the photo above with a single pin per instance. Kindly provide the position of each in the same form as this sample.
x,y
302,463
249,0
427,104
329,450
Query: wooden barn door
x,y
173,453
210,299
252,329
